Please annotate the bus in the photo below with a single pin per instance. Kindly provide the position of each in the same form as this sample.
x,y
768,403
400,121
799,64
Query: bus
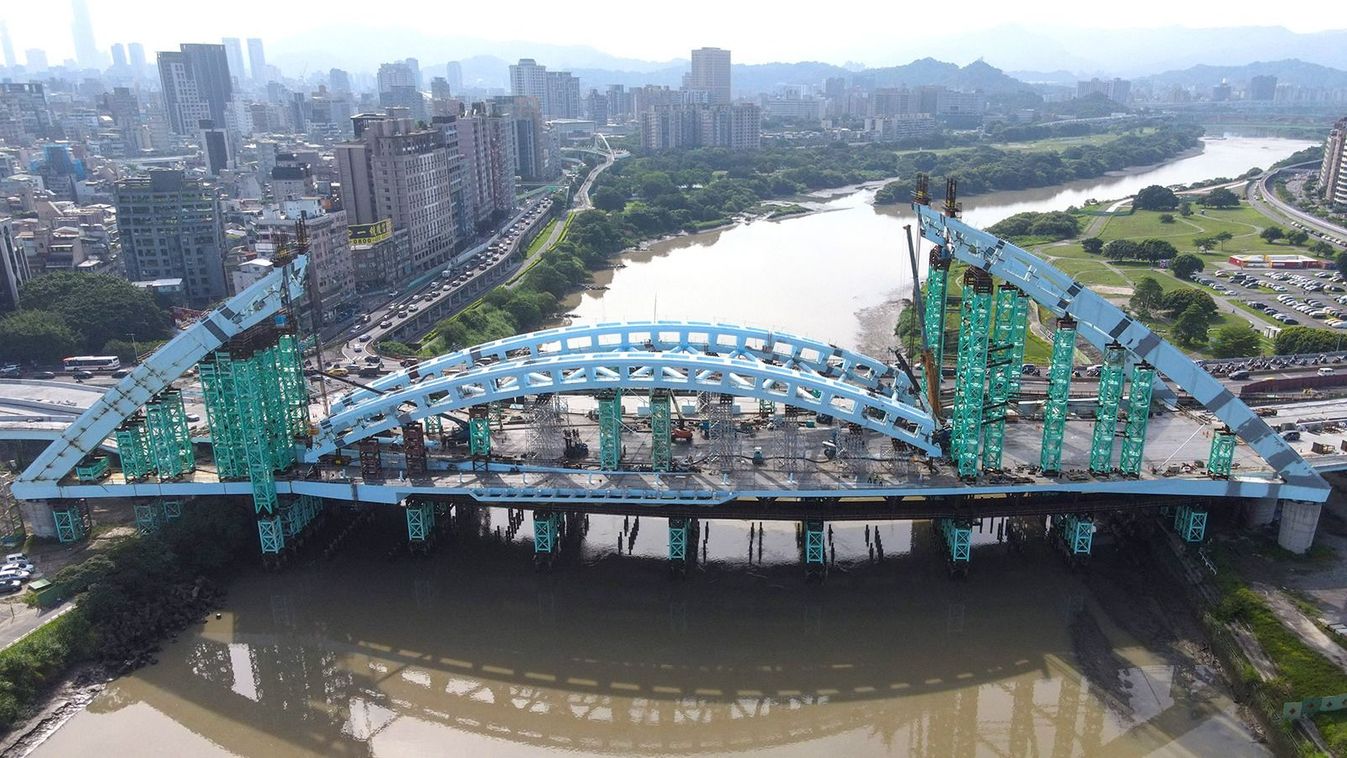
x,y
92,363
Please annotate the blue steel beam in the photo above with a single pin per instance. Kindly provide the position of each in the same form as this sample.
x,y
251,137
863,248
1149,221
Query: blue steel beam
x,y
239,313
644,370
1102,323
692,337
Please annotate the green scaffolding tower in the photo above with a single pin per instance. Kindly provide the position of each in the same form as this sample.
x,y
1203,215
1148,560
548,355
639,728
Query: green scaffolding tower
x,y
1019,329
226,433
937,288
133,448
1106,412
661,455
971,372
250,396
294,390
610,429
1222,457
479,431
1003,365
1138,417
1055,407
170,439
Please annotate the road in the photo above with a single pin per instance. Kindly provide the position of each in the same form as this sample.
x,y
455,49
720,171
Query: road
x,y
1262,196
17,619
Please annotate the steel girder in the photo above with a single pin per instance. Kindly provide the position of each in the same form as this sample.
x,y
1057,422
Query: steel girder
x,y
245,310
1102,323
642,370
742,342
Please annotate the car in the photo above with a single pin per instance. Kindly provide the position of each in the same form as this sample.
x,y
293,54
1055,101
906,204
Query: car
x,y
1291,321
121,372
1238,375
15,573
385,323
10,586
19,563
412,308
364,318
1325,371
1030,369
193,417
338,371
1291,435
82,374
373,359
365,338
408,362
368,372
15,557
357,349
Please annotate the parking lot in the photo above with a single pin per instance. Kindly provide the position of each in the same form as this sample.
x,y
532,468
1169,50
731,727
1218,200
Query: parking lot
x,y
1285,297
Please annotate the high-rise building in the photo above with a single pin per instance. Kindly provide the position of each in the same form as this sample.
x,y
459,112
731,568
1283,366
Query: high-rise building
x,y
196,85
563,95
329,247
528,79
215,147
8,46
86,51
340,81
453,71
137,53
234,52
396,171
257,61
25,105
170,228
1262,87
37,60
733,126
525,118
13,266
710,74
1333,170
119,56
1117,90
398,89
596,107
484,141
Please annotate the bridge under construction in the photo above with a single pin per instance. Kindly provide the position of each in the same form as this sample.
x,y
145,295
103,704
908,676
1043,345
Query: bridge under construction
x,y
690,421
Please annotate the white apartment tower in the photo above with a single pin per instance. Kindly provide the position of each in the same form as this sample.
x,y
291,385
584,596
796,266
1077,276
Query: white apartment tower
x,y
710,74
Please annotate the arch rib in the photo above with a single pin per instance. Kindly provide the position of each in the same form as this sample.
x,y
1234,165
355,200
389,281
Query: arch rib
x,y
693,337
1102,323
644,370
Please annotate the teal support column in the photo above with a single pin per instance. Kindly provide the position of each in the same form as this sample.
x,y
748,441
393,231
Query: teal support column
x,y
148,517
1222,457
661,453
545,532
1106,412
271,534
250,397
1138,418
133,448
1190,523
172,510
92,469
69,524
971,371
958,536
678,540
1076,532
610,429
1019,330
1002,366
815,548
936,299
420,521
1055,407
479,431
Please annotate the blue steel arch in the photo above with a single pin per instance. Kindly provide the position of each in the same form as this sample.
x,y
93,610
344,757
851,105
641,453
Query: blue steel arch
x,y
642,370
240,313
1102,323
743,342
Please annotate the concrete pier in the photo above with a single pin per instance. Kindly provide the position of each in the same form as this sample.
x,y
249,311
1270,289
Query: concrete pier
x,y
1261,512
1299,521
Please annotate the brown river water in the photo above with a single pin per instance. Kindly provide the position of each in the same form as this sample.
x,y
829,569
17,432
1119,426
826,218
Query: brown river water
x,y
469,652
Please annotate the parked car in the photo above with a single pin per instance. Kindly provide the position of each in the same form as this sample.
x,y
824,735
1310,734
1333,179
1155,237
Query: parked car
x,y
15,557
82,374
10,586
1030,369
1291,436
338,371
15,573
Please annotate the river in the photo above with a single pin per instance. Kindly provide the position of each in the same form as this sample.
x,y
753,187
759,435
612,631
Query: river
x,y
469,652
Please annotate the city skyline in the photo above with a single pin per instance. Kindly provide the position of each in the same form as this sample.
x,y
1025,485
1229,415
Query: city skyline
x,y
294,32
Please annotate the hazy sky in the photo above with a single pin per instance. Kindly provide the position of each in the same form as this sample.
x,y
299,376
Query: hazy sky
x,y
868,31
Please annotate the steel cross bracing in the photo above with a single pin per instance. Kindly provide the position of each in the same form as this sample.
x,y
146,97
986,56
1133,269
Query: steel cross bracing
x,y
687,373
1138,418
1102,323
1004,361
1106,411
688,337
1059,395
1222,453
971,371
661,453
173,360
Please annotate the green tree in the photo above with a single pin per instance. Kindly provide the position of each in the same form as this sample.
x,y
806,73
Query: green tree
x,y
1185,209
32,336
1235,340
1190,328
609,199
1297,237
1223,237
1340,263
1179,300
1205,243
98,307
1321,248
1220,197
1147,296
1155,198
1272,233
1092,245
1166,218
1296,340
908,329
1186,265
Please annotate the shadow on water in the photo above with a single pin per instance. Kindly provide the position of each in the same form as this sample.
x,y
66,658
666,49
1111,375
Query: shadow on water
x,y
470,650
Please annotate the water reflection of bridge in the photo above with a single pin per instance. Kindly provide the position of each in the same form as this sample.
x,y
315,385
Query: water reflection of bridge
x,y
466,654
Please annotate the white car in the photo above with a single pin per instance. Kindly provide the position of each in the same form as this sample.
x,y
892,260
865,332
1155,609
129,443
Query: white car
x,y
15,557
15,573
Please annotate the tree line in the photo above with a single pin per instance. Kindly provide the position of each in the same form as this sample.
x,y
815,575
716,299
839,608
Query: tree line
x,y
70,313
